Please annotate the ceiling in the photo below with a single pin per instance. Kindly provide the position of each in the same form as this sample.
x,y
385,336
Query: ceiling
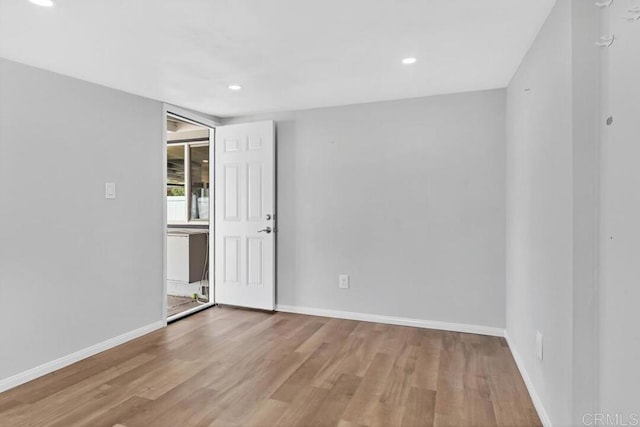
x,y
286,54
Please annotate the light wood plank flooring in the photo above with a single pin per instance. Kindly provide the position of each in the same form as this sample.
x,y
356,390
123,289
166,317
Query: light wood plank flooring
x,y
231,367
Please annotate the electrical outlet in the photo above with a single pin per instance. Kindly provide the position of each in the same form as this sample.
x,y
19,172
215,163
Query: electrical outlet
x,y
539,346
343,281
110,190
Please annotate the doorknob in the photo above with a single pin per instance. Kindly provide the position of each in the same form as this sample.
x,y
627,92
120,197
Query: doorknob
x,y
266,230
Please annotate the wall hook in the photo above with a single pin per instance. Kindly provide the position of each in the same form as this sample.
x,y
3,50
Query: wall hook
x,y
605,3
635,14
606,40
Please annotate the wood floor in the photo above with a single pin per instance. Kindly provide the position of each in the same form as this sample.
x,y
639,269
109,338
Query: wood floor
x,y
230,367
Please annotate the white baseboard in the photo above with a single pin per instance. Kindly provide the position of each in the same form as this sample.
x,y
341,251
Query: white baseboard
x,y
60,363
535,397
391,320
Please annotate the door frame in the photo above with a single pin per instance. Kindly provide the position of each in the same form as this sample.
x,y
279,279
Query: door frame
x,y
201,120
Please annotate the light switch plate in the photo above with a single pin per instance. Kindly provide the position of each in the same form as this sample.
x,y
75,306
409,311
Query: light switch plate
x,y
343,281
110,190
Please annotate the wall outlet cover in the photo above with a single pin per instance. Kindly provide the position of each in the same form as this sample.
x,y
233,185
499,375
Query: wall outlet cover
x,y
110,190
539,345
343,281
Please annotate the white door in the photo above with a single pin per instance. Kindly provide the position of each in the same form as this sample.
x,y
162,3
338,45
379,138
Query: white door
x,y
245,215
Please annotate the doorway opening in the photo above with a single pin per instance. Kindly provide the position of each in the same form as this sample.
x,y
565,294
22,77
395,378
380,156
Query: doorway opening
x,y
219,192
189,207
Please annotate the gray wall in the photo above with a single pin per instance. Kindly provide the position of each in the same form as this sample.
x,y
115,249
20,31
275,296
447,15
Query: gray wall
x,y
586,148
620,216
75,269
406,196
552,182
540,212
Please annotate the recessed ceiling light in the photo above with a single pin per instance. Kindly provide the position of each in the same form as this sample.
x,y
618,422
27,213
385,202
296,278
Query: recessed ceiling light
x,y
43,3
408,61
205,161
235,87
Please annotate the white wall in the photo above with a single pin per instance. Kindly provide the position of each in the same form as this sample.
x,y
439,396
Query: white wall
x,y
620,218
75,269
406,196
539,212
552,181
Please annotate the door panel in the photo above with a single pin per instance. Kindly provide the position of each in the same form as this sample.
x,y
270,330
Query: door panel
x,y
245,210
